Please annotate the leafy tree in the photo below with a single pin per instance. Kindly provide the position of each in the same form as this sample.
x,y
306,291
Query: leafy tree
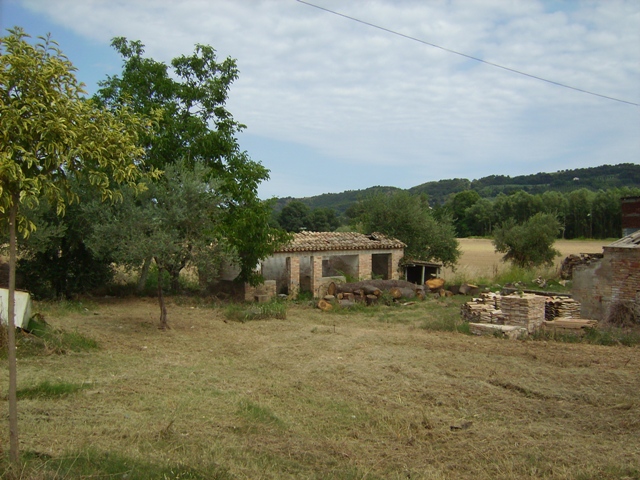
x,y
193,125
480,217
580,213
175,222
54,260
294,216
528,244
49,133
408,218
457,205
322,220
555,203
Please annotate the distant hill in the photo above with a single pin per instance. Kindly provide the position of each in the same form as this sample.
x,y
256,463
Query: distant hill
x,y
594,178
337,201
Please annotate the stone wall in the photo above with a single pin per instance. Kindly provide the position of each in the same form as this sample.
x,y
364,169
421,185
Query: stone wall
x,y
263,292
615,278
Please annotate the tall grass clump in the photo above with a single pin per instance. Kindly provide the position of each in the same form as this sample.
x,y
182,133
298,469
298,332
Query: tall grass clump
x,y
48,390
259,311
444,315
40,338
606,335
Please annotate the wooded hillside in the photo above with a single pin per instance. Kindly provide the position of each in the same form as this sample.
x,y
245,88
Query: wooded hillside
x,y
594,178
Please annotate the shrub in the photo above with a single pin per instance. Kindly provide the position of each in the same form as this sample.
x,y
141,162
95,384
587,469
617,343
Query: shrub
x,y
529,244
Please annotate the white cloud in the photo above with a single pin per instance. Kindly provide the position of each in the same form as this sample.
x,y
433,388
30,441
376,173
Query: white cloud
x,y
370,99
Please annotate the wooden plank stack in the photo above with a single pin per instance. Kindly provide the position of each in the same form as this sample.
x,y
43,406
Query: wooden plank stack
x,y
508,331
561,307
574,326
482,309
526,310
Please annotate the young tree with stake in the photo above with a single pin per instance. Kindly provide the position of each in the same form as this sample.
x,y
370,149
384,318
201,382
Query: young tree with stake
x,y
49,133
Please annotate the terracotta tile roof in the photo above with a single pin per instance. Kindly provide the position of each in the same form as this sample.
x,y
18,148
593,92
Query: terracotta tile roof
x,y
324,241
630,241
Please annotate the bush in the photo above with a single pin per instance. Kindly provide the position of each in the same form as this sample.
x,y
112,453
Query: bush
x,y
529,244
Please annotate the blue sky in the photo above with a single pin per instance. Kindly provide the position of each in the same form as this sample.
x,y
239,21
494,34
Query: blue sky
x,y
331,104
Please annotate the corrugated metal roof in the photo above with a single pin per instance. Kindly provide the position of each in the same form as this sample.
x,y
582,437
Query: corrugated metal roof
x,y
630,241
326,241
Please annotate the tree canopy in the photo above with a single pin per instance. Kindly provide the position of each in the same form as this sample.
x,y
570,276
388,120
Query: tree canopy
x,y
188,100
49,133
408,218
530,243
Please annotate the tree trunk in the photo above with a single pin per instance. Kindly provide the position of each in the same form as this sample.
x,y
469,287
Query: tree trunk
x,y
144,274
174,279
14,451
163,308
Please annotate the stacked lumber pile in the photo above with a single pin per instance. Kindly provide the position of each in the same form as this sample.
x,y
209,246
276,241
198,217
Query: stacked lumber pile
x,y
484,309
507,331
561,307
525,310
516,315
569,325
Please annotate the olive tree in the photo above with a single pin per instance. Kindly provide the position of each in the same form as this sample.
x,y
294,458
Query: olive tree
x,y
175,222
49,133
530,243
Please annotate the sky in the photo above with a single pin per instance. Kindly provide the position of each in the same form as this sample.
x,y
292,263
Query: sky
x,y
334,104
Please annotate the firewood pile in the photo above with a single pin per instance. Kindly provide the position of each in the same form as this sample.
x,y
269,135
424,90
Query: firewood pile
x,y
369,292
561,307
573,261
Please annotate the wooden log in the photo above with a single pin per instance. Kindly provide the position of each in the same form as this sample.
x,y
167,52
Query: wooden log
x,y
434,284
346,303
324,305
332,289
371,299
395,293
407,292
370,290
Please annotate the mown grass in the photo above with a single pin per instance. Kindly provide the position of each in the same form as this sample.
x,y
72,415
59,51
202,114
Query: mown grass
x,y
92,463
389,392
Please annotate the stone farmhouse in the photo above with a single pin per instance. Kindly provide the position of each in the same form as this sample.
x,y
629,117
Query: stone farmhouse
x,y
312,259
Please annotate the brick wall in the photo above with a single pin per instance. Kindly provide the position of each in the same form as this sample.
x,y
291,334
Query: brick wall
x,y
630,214
625,264
267,289
615,278
364,265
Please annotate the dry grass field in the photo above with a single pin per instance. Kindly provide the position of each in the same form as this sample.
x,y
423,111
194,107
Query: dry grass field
x,y
479,258
320,395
